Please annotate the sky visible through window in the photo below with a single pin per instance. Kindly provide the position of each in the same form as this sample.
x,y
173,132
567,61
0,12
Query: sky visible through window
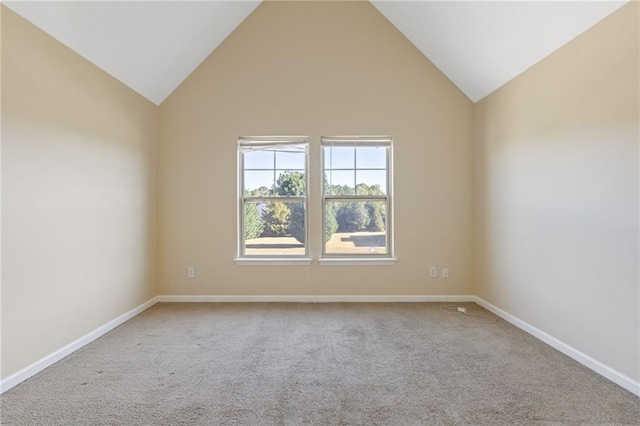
x,y
347,166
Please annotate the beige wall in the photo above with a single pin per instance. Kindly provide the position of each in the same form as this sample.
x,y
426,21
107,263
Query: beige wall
x,y
556,177
78,201
315,68
557,194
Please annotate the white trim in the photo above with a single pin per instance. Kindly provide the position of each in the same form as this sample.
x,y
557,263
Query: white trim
x,y
314,299
342,261
615,376
33,369
243,145
356,142
273,261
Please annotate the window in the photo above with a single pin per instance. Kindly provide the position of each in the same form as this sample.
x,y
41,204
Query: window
x,y
356,199
273,197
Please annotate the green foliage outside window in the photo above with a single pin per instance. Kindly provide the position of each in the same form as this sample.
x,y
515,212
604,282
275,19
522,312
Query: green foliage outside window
x,y
282,219
276,218
330,222
253,225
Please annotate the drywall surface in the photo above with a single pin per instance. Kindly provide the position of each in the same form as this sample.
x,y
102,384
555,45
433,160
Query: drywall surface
x,y
78,196
557,194
314,69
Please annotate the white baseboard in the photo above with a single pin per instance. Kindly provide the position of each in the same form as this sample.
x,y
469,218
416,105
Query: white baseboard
x,y
33,369
626,382
600,368
317,299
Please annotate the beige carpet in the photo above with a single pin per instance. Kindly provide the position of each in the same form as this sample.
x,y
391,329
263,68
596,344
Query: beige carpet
x,y
316,364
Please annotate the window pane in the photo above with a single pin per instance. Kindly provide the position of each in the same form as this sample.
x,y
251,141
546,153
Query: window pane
x,y
341,182
355,227
274,229
258,159
371,182
290,183
290,159
371,157
339,157
258,182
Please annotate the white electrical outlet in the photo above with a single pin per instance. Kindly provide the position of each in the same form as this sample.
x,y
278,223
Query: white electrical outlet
x,y
445,272
433,272
191,272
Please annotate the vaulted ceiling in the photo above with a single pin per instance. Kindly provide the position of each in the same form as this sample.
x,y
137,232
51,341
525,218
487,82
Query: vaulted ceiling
x,y
153,46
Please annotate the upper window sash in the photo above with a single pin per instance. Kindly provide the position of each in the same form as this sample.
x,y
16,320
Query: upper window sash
x,y
289,155
347,165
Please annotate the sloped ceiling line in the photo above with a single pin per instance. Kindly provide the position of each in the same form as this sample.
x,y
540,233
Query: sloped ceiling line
x,y
153,46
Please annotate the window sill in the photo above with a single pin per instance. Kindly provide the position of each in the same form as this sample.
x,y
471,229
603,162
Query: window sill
x,y
273,261
330,261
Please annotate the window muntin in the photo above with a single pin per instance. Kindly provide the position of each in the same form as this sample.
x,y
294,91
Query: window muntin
x,y
273,197
356,197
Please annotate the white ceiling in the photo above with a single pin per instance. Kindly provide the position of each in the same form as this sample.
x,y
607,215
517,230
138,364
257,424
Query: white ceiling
x,y
481,45
149,46
152,46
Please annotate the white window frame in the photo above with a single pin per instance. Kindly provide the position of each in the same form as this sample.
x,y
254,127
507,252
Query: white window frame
x,y
360,258
256,142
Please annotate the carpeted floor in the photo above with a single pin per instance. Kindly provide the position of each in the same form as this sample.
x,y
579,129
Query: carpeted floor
x,y
316,364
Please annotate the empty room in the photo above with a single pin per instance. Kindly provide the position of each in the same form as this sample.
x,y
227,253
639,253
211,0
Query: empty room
x,y
320,212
